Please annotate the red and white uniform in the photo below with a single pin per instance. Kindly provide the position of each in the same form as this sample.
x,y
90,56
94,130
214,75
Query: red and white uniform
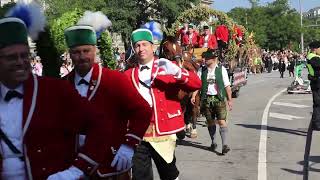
x,y
188,39
112,93
162,96
208,41
44,125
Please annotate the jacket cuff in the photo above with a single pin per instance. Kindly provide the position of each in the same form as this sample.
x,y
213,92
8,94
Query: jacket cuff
x,y
132,140
184,78
86,164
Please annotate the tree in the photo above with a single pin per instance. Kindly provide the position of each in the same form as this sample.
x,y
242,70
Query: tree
x,y
276,26
254,3
126,15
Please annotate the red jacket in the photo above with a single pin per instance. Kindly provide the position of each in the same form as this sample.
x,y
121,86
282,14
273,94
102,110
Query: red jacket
x,y
168,116
118,99
185,39
222,33
212,41
53,115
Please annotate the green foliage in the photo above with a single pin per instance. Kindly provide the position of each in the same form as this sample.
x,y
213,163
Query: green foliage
x,y
126,15
60,24
275,26
106,53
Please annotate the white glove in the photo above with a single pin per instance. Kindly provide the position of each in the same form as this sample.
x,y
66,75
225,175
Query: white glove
x,y
72,173
169,67
123,158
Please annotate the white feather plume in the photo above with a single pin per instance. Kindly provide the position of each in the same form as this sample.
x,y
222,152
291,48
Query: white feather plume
x,y
97,20
32,14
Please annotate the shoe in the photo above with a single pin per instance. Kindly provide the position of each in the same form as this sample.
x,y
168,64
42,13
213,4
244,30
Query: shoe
x,y
194,133
188,130
213,146
225,149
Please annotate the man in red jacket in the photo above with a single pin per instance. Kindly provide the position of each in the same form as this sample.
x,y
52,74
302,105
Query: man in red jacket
x,y
222,35
40,118
208,40
111,93
191,37
158,82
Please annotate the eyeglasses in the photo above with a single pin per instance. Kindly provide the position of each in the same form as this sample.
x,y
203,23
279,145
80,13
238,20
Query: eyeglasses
x,y
14,57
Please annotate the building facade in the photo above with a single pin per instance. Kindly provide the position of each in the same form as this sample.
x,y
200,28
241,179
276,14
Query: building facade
x,y
313,13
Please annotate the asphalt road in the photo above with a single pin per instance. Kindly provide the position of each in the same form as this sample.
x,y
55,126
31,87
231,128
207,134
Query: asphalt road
x,y
273,151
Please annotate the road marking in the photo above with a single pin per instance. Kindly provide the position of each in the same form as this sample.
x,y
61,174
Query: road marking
x,y
302,99
290,105
284,116
262,160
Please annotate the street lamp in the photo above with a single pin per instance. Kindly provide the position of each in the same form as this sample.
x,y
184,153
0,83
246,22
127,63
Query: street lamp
x,y
301,23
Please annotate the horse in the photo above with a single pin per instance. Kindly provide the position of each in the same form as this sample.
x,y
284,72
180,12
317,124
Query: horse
x,y
171,50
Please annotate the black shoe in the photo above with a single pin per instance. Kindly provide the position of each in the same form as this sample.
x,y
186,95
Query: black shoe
x,y
213,147
225,149
316,125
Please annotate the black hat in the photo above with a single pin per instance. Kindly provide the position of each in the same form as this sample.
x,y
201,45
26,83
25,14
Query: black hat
x,y
314,44
210,54
205,27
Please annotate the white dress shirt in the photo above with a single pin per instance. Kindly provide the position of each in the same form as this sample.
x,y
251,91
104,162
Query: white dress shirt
x,y
213,88
145,76
83,88
11,115
206,40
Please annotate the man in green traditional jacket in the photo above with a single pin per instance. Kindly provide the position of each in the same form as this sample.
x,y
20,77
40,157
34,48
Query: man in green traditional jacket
x,y
214,93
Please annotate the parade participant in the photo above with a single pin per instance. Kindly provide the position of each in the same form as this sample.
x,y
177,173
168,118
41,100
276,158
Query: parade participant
x,y
238,36
208,40
158,82
313,65
41,116
110,92
183,31
215,89
191,38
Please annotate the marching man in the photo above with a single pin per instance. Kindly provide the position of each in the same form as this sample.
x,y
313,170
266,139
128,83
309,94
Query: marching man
x,y
158,82
110,92
215,95
39,116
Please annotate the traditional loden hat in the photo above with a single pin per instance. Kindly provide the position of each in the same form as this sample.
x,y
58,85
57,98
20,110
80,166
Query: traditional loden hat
x,y
141,35
21,21
210,54
87,30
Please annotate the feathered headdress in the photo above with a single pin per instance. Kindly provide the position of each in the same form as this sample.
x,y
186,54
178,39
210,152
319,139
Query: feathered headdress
x,y
32,16
97,20
155,28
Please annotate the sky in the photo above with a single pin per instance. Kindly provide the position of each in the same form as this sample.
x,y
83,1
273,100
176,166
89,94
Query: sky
x,y
227,5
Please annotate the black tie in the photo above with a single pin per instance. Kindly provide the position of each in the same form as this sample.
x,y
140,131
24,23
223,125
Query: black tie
x,y
144,67
82,81
12,94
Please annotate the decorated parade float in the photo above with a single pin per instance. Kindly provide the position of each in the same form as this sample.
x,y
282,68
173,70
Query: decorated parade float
x,y
239,48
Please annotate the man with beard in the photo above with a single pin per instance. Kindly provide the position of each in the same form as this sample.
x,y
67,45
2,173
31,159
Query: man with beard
x,y
111,93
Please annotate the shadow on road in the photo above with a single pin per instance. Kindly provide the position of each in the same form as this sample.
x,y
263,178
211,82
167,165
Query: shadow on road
x,y
313,161
276,129
197,145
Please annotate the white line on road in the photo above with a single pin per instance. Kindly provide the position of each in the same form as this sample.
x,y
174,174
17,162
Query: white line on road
x,y
262,161
290,105
284,116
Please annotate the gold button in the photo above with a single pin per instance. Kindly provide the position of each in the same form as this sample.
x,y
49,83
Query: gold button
x,y
43,169
39,151
89,168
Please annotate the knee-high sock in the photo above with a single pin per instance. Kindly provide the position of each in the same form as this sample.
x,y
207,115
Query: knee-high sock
x,y
212,132
223,134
